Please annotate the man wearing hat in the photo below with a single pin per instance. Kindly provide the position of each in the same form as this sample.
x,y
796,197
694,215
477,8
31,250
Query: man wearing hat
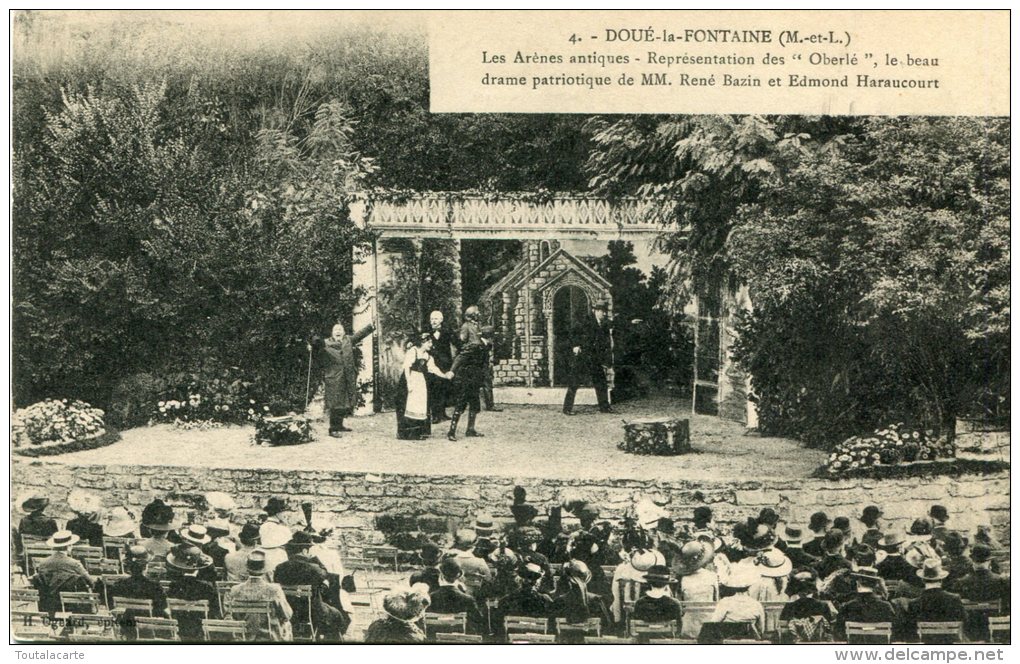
x,y
199,536
805,613
981,585
527,600
300,569
137,586
818,526
476,572
85,524
449,598
236,562
867,607
939,516
256,588
955,561
189,561
35,523
934,604
794,538
591,355
157,521
894,567
404,611
430,556
871,518
468,378
834,560
59,572
657,604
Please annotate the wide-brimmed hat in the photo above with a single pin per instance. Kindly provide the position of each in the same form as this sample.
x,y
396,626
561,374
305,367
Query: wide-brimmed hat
x,y
530,570
644,559
483,525
62,539
693,556
120,522
218,527
299,541
980,553
526,535
793,535
255,563
158,516
464,537
406,606
891,542
866,579
137,554
819,521
742,576
939,513
188,557
275,505
274,535
34,502
773,564
658,574
768,516
759,538
931,570
86,503
249,533
195,534
218,500
870,514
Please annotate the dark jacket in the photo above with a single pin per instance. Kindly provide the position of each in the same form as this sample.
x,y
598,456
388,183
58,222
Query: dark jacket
x,y
341,374
193,589
90,532
140,587
36,526
444,345
800,558
983,585
831,564
301,570
391,630
570,604
896,568
429,576
871,537
867,608
933,605
469,366
449,599
596,343
657,610
813,547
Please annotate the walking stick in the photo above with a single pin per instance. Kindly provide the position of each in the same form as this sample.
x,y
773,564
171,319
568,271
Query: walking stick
x,y
308,382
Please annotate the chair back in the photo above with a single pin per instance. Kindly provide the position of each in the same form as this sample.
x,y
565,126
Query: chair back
x,y
24,599
702,610
772,613
222,587
647,630
588,627
137,607
940,633
34,552
630,591
525,625
156,570
87,554
435,623
197,606
526,637
860,633
256,614
998,628
454,637
384,555
360,563
224,630
79,602
157,629
300,600
114,547
108,582
102,566
93,627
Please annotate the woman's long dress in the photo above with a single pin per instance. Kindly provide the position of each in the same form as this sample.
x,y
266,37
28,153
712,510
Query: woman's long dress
x,y
413,396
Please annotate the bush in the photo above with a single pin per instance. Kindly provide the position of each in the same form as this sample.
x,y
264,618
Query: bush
x,y
210,394
57,421
890,446
133,400
290,429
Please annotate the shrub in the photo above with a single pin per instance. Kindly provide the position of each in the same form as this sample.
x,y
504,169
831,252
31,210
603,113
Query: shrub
x,y
133,400
57,421
890,446
290,429
210,394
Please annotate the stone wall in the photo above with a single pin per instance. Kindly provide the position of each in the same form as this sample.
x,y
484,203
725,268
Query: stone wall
x,y
353,502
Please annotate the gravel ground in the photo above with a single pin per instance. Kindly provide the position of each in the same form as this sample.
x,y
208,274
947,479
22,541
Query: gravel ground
x,y
522,441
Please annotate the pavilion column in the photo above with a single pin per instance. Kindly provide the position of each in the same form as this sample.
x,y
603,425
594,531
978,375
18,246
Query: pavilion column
x,y
366,277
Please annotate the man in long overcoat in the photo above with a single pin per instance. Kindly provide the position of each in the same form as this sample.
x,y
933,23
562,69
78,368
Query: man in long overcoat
x,y
341,380
592,355
444,349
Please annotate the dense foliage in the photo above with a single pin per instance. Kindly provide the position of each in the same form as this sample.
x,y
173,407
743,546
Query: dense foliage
x,y
54,421
876,251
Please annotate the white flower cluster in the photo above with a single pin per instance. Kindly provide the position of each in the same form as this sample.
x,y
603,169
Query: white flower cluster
x,y
896,443
58,421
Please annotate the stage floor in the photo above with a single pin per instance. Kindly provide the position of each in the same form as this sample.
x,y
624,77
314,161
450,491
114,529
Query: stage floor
x,y
522,441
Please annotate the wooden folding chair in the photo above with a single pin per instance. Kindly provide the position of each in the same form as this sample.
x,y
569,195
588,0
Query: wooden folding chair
x,y
222,587
24,599
772,613
452,637
79,602
976,614
184,606
103,566
525,625
93,627
132,605
300,600
156,570
109,580
697,612
589,627
526,637
449,623
34,552
87,555
643,630
224,630
114,548
359,563
998,628
859,633
630,592
257,615
940,633
157,629
383,553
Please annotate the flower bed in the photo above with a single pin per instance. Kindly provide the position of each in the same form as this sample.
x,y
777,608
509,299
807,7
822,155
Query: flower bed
x,y
894,445
290,429
110,437
56,426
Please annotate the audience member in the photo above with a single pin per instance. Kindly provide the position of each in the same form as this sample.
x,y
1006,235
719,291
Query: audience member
x,y
868,607
476,572
808,618
449,598
833,560
575,602
657,605
137,586
740,607
300,569
157,521
794,538
981,585
120,522
429,555
189,561
871,518
256,588
404,611
934,604
819,525
236,563
85,524
59,572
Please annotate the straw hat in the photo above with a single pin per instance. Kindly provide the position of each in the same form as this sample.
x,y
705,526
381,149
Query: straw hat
x,y
188,557
218,500
693,556
195,534
62,539
932,570
773,564
85,503
274,535
120,522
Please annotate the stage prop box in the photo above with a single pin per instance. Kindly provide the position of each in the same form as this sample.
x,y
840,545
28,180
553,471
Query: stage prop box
x,y
659,437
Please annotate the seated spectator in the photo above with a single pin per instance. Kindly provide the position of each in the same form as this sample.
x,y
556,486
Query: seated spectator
x,y
157,521
955,562
808,618
236,563
819,525
773,570
59,572
476,571
522,512
404,611
188,561
221,542
137,586
895,567
120,522
85,524
833,560
984,535
449,598
575,602
637,543
740,607
981,585
198,536
842,524
868,607
525,541
703,524
921,545
871,518
657,605
934,604
586,547
300,569
256,588
429,575
35,523
939,515
527,600
794,538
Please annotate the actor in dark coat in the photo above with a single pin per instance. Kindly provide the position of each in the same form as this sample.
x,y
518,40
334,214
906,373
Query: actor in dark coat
x,y
468,376
444,350
341,373
592,354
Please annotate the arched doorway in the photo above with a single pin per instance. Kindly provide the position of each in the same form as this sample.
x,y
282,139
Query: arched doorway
x,y
570,309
